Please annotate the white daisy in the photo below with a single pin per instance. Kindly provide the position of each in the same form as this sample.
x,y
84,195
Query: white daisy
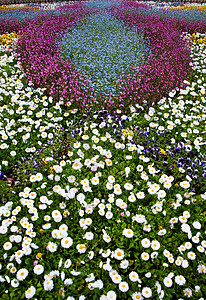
x,y
145,256
167,282
124,264
128,186
48,285
38,269
22,274
119,254
140,195
180,280
191,255
155,245
123,286
145,243
7,246
81,248
89,236
116,278
128,233
146,292
66,242
134,277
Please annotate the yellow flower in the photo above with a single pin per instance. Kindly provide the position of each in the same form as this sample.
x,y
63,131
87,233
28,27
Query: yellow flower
x,y
44,160
162,151
39,255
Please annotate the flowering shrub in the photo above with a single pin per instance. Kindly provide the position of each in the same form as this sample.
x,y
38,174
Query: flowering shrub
x,y
97,206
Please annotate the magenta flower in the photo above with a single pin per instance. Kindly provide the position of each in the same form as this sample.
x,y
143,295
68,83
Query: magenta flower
x,y
35,262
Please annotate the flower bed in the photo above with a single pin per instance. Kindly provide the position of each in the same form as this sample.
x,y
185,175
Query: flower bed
x,y
166,68
101,205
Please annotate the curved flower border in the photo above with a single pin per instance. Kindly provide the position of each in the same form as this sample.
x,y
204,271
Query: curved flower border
x,y
167,66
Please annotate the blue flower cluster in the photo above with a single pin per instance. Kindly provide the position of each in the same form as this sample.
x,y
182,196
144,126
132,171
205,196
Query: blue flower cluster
x,y
20,15
170,14
101,4
186,14
103,48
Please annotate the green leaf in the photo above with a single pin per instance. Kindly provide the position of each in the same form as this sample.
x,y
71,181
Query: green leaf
x,y
28,261
5,296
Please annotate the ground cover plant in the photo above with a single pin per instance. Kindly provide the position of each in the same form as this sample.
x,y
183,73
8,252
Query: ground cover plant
x,y
97,204
103,48
166,66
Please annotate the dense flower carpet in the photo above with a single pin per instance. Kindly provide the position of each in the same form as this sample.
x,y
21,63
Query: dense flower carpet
x,y
103,151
